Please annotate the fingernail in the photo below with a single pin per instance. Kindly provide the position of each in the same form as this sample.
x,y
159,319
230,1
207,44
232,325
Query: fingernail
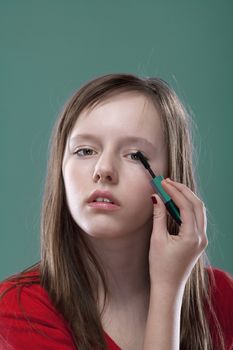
x,y
154,200
168,179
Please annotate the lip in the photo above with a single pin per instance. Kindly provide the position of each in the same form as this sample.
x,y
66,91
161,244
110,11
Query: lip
x,y
103,206
103,194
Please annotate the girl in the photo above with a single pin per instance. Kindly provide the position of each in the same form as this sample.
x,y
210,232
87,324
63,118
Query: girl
x,y
116,271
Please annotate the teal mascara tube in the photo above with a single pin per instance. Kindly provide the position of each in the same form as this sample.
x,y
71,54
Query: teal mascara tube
x,y
156,184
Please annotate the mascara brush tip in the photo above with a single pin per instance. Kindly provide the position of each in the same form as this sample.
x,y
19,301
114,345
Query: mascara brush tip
x,y
145,163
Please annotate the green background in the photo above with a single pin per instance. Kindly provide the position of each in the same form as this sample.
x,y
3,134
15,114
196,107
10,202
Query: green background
x,y
48,48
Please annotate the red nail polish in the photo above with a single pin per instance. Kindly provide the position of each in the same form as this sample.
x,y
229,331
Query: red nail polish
x,y
154,200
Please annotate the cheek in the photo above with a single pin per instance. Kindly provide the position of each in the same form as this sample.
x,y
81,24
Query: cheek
x,y
75,184
140,184
139,193
160,164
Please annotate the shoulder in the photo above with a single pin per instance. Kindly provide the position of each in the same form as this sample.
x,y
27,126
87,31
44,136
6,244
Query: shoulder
x,y
221,298
24,293
221,285
28,318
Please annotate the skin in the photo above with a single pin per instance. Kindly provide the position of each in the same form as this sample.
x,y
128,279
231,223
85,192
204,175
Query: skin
x,y
146,267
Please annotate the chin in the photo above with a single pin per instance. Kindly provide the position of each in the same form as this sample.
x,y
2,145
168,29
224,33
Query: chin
x,y
103,232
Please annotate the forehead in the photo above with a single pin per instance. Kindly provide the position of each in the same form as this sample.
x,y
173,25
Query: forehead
x,y
127,113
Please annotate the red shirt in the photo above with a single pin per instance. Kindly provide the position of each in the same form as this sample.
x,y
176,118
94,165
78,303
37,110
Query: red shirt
x,y
18,325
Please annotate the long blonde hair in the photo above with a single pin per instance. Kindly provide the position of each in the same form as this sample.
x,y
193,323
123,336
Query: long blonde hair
x,y
66,267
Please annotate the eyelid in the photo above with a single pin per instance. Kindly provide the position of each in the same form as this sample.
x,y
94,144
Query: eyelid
x,y
77,148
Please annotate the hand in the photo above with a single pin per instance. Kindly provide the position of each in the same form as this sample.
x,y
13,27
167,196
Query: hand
x,y
172,257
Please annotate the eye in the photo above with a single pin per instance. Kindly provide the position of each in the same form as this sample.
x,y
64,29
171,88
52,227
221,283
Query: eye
x,y
135,157
82,152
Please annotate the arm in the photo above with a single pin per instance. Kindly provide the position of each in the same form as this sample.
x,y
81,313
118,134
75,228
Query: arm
x,y
171,260
163,322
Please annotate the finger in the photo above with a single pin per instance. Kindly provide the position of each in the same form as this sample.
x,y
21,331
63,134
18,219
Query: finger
x,y
159,217
199,207
181,187
188,218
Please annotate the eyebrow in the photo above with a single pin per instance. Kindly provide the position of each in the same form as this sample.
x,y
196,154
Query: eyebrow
x,y
124,139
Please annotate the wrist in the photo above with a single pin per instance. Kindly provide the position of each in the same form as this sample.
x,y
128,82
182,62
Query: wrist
x,y
167,292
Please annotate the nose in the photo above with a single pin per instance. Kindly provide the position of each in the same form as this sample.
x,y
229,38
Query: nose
x,y
105,170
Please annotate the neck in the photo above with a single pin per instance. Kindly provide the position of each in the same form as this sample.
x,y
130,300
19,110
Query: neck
x,y
126,266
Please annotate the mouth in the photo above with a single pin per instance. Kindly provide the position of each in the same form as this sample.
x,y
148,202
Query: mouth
x,y
103,198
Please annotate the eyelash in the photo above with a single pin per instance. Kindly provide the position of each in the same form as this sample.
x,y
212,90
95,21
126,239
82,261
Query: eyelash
x,y
89,149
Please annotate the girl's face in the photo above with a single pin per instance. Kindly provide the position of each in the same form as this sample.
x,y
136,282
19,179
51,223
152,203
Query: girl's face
x,y
99,155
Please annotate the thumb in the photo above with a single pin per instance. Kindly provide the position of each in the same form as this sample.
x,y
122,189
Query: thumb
x,y
159,215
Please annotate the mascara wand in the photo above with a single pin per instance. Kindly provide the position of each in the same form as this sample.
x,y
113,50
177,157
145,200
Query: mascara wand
x,y
156,184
